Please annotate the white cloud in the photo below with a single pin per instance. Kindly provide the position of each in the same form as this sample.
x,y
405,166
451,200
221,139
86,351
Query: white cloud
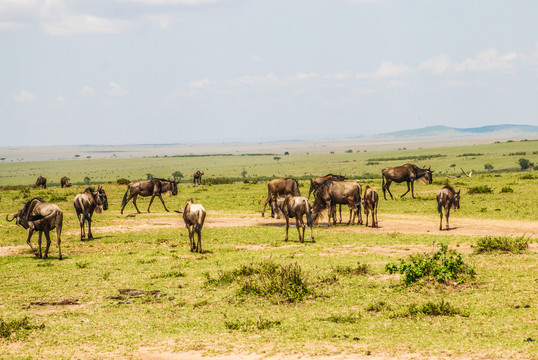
x,y
24,96
86,91
386,70
269,78
85,24
172,2
116,90
487,60
301,77
258,59
200,83
340,76
11,25
60,98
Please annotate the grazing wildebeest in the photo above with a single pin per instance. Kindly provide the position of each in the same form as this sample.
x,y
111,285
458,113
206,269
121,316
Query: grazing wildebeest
x,y
41,181
86,203
194,216
447,198
408,173
331,193
296,207
37,215
153,187
370,201
317,181
64,182
280,187
197,176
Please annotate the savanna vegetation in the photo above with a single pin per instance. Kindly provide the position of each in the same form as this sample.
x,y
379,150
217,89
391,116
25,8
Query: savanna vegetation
x,y
136,289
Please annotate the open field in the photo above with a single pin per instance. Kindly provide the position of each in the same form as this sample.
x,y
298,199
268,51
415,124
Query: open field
x,y
194,305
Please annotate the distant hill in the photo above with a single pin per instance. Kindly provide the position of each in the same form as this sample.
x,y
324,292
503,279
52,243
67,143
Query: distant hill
x,y
494,131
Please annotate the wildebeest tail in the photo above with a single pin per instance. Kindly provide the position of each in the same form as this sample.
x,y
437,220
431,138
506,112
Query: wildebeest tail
x,y
440,206
383,183
297,184
198,226
309,220
124,201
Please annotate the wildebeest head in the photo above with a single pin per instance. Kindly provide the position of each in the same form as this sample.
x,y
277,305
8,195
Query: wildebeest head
x,y
456,203
425,175
102,197
173,187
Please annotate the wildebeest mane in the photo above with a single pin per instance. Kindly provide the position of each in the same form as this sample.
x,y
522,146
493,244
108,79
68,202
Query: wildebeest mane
x,y
450,188
27,205
90,189
161,179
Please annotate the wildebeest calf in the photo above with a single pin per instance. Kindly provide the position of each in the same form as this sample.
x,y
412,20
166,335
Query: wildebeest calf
x,y
447,198
296,207
370,201
194,217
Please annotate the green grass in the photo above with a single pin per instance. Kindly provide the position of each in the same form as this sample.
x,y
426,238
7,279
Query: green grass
x,y
502,243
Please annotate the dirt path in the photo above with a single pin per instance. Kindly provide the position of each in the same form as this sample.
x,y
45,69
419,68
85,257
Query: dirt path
x,y
388,223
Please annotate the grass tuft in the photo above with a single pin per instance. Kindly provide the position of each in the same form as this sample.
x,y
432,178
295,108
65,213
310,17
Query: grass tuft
x,y
480,189
441,308
501,243
19,328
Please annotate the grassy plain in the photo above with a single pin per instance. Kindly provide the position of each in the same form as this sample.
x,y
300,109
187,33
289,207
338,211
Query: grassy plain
x,y
344,312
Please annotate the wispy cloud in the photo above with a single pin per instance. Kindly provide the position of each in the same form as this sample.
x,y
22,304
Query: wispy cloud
x,y
487,60
24,96
386,70
116,90
86,91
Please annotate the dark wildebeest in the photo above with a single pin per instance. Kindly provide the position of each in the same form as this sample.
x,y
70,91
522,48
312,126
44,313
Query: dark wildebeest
x,y
370,201
152,187
86,203
331,193
41,181
317,181
64,182
194,217
408,173
280,187
197,176
296,207
37,215
447,198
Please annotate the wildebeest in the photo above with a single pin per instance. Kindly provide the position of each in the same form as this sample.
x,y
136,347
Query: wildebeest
x,y
408,173
86,203
37,215
153,187
296,207
447,198
41,181
370,201
64,182
280,187
331,193
197,177
317,181
194,217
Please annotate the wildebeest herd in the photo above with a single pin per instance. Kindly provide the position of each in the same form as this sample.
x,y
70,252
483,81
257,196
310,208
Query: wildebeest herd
x,y
284,199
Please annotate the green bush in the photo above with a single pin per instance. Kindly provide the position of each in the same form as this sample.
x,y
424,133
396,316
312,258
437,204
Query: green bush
x,y
507,189
360,269
217,181
16,327
488,166
123,181
501,243
480,189
441,308
250,325
442,266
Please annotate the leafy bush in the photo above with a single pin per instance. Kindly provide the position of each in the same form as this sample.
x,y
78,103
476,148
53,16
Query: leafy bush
x,y
442,266
470,154
343,319
17,327
507,189
217,181
525,164
123,181
501,243
480,189
528,177
488,166
249,325
378,306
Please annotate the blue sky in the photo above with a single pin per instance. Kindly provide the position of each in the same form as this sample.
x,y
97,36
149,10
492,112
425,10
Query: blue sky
x,y
176,71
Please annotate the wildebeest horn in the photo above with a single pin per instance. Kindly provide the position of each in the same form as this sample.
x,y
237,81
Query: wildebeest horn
x,y
11,218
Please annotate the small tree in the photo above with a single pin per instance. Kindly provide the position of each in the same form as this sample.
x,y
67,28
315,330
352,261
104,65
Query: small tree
x,y
244,173
149,176
177,175
276,158
488,166
525,164
287,153
87,180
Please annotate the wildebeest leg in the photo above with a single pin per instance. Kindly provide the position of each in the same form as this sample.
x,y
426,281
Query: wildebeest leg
x,y
298,226
47,237
131,196
374,211
151,200
39,243
190,238
58,233
81,223
366,213
447,212
359,214
340,212
160,197
413,189
441,220
29,242
199,242
312,233
387,187
408,189
89,219
134,203
266,202
287,227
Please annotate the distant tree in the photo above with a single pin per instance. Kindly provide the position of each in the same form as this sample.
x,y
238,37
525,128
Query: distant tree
x,y
452,165
87,180
244,173
349,151
2,159
177,175
77,156
88,157
287,153
525,164
488,166
149,176
276,158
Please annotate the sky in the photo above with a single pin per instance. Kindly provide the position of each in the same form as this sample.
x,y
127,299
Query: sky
x,y
210,71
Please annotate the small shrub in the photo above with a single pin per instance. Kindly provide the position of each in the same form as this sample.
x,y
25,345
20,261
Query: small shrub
x,y
525,164
488,166
501,243
442,266
250,325
378,306
343,319
507,189
442,308
56,198
529,176
360,269
480,189
217,181
123,181
171,274
16,327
